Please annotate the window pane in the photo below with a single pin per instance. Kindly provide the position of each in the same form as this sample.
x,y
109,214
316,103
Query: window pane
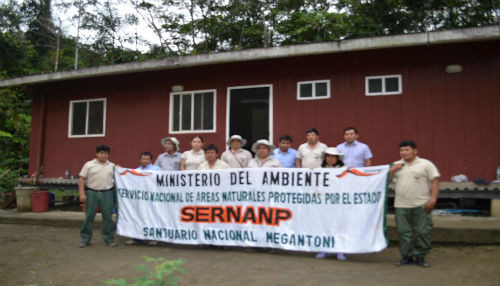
x,y
392,84
198,111
177,111
78,118
321,89
96,117
305,90
375,85
208,111
186,112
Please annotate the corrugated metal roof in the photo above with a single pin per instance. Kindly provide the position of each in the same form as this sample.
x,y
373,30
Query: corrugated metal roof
x,y
385,42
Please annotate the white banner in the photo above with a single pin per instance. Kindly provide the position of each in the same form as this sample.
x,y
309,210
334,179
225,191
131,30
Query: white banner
x,y
329,210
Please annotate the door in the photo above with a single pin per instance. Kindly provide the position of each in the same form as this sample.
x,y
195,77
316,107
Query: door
x,y
250,113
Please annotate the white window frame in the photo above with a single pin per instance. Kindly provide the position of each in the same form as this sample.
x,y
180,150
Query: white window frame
x,y
313,83
192,92
103,134
383,92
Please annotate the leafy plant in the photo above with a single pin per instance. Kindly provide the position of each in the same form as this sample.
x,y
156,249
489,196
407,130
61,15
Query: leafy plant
x,y
8,180
163,273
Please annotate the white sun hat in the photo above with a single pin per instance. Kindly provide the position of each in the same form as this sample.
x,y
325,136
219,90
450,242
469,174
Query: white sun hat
x,y
262,142
332,151
236,137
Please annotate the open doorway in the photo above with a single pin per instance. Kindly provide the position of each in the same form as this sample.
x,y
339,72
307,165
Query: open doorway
x,y
250,113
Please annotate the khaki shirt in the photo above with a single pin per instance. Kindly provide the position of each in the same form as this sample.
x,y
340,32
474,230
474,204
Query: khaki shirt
x,y
98,176
193,160
217,166
412,183
311,156
270,162
244,156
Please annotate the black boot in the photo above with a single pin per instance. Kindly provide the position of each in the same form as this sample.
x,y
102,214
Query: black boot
x,y
405,260
421,261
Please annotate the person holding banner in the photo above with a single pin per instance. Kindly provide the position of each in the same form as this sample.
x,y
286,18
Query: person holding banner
x,y
285,154
263,159
145,159
171,159
416,193
192,159
96,188
212,163
236,157
309,153
332,158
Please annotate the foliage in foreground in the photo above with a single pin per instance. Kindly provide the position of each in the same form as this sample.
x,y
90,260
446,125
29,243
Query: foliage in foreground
x,y
163,273
8,180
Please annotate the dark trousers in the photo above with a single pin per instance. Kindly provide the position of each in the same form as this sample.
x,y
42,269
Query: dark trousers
x,y
414,226
106,201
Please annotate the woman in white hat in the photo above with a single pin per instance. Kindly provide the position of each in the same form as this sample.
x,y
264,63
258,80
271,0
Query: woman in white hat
x,y
263,150
332,158
236,157
192,159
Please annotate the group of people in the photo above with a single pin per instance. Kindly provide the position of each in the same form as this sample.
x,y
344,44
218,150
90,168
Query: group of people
x,y
416,179
312,154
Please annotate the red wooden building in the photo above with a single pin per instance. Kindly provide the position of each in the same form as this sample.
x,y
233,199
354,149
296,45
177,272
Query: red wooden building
x,y
441,89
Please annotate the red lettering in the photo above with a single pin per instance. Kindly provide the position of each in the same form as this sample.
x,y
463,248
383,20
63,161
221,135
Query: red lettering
x,y
235,214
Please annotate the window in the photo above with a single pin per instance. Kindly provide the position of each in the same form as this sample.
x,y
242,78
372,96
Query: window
x,y
87,118
192,111
307,90
383,85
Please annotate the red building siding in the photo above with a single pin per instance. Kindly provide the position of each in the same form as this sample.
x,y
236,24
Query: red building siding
x,y
454,118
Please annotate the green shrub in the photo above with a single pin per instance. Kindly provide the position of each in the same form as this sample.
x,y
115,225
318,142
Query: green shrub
x,y
8,180
163,273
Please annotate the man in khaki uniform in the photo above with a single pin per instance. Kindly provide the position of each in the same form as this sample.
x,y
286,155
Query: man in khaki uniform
x,y
96,188
309,154
416,193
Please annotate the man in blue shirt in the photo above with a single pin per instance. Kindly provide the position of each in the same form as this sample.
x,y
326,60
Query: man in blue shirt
x,y
356,154
285,154
145,158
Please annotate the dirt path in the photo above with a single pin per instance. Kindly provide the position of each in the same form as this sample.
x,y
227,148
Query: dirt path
x,y
38,255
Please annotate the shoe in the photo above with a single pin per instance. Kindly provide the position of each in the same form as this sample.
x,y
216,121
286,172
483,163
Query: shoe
x,y
421,262
111,244
152,243
341,256
134,242
322,255
84,244
405,260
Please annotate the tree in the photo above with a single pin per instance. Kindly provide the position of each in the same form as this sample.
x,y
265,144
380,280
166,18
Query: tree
x,y
377,17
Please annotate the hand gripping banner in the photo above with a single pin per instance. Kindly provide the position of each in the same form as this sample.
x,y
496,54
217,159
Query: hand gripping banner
x,y
328,210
